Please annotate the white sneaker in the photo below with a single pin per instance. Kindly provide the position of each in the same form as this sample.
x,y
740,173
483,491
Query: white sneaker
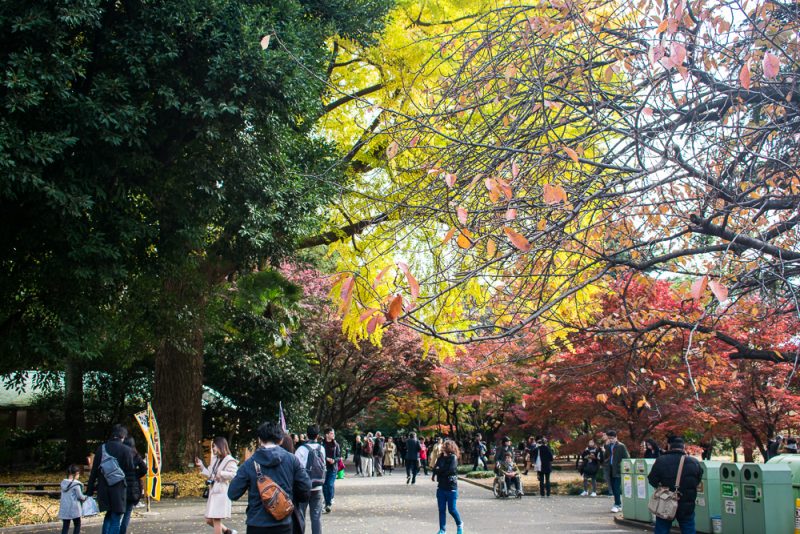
x,y
615,509
593,494
584,494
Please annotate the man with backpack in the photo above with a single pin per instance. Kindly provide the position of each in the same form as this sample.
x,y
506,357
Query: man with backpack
x,y
311,454
111,466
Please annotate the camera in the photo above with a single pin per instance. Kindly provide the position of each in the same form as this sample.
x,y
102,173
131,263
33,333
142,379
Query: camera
x,y
210,482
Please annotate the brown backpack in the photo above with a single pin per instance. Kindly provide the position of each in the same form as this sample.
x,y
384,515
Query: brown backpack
x,y
275,501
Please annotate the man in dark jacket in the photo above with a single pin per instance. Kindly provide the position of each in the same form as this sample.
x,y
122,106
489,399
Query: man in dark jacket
x,y
615,451
112,499
664,473
543,461
282,467
377,454
412,458
332,454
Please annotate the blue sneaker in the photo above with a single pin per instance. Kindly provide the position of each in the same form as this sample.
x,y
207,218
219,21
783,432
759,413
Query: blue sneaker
x,y
460,529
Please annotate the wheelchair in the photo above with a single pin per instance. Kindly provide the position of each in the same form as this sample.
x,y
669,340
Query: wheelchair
x,y
502,489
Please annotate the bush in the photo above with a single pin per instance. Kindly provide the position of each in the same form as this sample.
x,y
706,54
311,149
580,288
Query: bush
x,y
462,469
480,474
9,509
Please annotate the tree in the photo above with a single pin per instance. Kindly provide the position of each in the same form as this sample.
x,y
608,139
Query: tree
x,y
158,140
350,376
569,143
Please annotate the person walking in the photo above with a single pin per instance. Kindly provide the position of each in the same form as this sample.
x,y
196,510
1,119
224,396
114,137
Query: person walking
x,y
412,458
445,473
543,464
615,452
220,471
111,498
282,467
530,448
435,451
367,464
69,509
664,473
478,452
589,465
651,448
134,484
423,456
311,455
377,454
357,446
333,452
389,455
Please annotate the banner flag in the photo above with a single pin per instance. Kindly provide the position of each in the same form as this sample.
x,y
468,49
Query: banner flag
x,y
147,422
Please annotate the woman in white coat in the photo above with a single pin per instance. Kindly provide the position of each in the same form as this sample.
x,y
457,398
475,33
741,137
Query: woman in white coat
x,y
218,475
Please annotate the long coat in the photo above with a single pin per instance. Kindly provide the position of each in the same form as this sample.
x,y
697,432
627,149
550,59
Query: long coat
x,y
222,470
388,454
111,498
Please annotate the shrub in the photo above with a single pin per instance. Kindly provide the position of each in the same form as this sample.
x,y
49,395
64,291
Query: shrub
x,y
480,474
9,509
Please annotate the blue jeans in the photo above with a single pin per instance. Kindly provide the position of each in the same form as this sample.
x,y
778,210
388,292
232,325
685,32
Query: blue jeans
x,y
315,504
447,502
663,526
111,522
126,518
616,489
327,486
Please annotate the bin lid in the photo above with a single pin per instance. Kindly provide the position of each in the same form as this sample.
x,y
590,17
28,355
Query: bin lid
x,y
766,474
730,471
711,469
790,460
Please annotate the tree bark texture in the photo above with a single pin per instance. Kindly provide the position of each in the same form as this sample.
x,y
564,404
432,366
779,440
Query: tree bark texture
x,y
178,386
74,417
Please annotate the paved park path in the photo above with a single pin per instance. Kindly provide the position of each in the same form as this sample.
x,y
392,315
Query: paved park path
x,y
387,504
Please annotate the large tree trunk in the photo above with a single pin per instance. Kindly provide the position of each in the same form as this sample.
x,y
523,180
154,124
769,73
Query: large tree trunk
x,y
178,384
74,419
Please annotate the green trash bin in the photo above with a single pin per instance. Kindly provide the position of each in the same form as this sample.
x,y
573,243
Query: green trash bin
x,y
793,461
642,489
628,496
767,498
708,503
730,481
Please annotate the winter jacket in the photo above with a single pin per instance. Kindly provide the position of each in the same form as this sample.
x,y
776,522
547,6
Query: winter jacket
x,y
283,468
111,498
332,452
590,461
134,484
388,454
412,450
357,449
545,455
445,472
665,471
71,498
614,460
377,448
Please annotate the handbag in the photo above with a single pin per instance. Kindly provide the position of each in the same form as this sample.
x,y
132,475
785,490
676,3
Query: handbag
x,y
663,503
274,499
89,507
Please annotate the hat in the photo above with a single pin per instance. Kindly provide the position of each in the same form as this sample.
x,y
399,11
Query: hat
x,y
506,438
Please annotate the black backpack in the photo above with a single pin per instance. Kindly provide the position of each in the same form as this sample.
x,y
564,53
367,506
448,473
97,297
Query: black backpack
x,y
315,465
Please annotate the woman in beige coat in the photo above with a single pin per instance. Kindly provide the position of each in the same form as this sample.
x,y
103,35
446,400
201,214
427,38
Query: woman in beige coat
x,y
389,451
218,475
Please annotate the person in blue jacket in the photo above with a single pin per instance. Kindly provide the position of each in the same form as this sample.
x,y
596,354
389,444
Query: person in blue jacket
x,y
282,467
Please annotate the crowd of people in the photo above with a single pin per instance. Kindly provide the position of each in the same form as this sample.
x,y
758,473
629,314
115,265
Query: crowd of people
x,y
302,470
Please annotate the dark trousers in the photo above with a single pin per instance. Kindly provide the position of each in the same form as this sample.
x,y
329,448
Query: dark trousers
x,y
327,486
514,481
616,489
664,526
278,529
76,522
357,461
544,483
412,468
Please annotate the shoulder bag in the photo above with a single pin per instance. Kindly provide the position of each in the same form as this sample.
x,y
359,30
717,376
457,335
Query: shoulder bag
x,y
664,503
274,499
